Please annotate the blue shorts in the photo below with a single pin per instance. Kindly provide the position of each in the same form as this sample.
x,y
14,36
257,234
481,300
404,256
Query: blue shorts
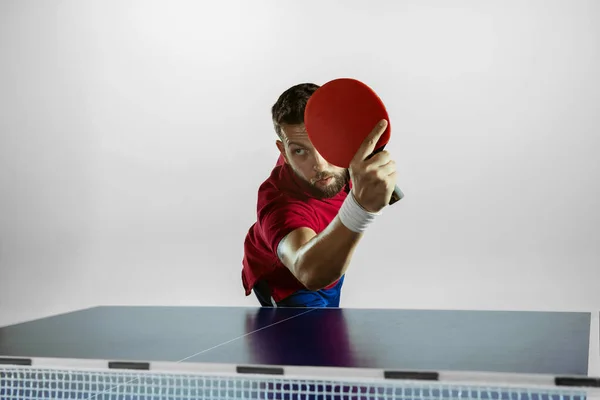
x,y
303,298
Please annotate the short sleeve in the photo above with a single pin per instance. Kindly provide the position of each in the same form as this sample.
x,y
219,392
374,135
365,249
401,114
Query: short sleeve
x,y
285,218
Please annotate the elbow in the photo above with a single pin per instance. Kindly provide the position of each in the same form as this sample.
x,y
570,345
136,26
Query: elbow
x,y
305,277
312,284
313,276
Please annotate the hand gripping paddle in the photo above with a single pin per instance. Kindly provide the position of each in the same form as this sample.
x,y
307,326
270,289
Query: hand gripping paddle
x,y
339,116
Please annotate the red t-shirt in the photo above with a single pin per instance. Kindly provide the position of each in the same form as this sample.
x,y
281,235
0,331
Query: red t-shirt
x,y
284,204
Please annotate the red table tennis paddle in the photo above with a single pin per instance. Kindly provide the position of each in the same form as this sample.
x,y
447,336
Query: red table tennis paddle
x,y
339,116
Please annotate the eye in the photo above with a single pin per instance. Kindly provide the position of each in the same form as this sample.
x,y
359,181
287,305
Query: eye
x,y
299,151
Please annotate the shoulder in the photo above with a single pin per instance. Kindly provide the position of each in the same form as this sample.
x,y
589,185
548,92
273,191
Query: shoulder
x,y
281,208
280,193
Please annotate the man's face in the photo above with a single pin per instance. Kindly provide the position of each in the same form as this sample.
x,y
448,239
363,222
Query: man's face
x,y
327,180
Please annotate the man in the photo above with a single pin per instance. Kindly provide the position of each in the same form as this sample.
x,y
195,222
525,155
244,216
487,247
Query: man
x,y
311,215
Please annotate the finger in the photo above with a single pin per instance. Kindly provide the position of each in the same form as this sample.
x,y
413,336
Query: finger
x,y
386,170
378,159
391,180
368,145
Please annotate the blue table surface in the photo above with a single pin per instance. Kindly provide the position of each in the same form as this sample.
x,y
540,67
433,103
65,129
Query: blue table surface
x,y
493,341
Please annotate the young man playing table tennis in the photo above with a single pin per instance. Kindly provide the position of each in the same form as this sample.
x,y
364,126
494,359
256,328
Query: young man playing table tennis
x,y
311,215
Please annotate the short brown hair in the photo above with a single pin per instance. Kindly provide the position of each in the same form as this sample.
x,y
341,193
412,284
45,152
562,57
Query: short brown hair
x,y
289,108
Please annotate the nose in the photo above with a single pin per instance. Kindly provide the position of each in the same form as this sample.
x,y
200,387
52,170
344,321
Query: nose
x,y
320,162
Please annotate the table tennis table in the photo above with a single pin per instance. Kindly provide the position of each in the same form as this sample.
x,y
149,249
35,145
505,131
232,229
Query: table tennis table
x,y
152,352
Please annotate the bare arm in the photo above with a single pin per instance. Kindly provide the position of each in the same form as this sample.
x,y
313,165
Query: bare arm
x,y
318,260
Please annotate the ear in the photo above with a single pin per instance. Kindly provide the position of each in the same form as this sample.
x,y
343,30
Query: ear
x,y
281,148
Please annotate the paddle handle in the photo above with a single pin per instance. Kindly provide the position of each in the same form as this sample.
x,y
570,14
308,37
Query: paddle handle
x,y
396,195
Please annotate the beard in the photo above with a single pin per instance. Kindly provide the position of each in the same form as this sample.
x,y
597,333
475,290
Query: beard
x,y
339,180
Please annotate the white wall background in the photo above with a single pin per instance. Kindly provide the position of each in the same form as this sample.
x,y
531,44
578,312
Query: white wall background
x,y
134,135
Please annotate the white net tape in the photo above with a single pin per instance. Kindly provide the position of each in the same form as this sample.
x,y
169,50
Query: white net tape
x,y
39,383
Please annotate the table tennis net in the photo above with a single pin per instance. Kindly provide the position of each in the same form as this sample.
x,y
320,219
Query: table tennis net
x,y
40,383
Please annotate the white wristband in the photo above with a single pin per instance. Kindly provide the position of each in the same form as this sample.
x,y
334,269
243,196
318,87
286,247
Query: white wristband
x,y
353,216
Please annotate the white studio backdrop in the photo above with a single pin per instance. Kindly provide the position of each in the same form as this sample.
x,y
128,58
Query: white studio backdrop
x,y
134,136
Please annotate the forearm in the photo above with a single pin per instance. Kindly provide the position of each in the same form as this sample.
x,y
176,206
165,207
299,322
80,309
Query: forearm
x,y
326,257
